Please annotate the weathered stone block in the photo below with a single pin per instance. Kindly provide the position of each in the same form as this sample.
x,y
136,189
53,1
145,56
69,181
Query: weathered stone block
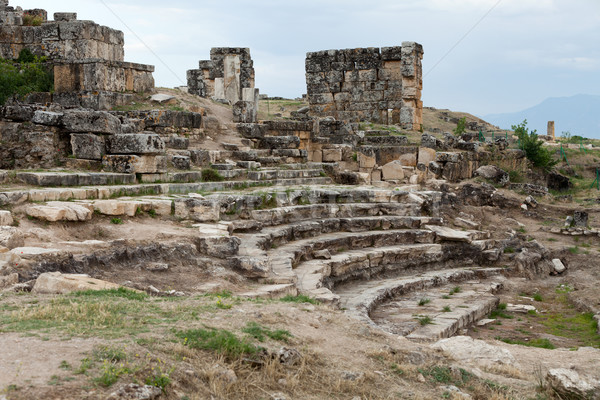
x,y
408,159
426,155
47,118
392,171
181,162
197,210
91,122
128,164
332,155
136,143
5,218
88,146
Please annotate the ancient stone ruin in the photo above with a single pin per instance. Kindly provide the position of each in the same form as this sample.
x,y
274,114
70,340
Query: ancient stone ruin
x,y
376,85
87,58
227,76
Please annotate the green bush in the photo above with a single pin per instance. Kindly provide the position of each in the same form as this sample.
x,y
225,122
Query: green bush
x,y
32,20
211,175
540,156
461,126
21,78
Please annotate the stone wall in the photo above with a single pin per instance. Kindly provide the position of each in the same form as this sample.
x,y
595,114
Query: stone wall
x,y
367,84
224,76
89,70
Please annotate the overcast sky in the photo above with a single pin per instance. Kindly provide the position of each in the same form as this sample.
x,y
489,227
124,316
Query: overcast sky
x,y
520,53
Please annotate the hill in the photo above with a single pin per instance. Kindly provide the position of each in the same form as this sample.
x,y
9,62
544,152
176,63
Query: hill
x,y
577,114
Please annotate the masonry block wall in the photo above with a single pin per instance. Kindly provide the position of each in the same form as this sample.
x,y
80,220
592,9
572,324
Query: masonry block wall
x,y
224,76
87,57
367,84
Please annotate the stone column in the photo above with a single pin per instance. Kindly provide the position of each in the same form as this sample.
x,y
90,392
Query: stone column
x,y
411,114
551,132
232,72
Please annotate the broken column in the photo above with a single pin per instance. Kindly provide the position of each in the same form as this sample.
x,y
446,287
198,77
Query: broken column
x,y
551,132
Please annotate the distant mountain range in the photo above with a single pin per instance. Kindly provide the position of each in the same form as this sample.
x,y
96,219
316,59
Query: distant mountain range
x,y
579,114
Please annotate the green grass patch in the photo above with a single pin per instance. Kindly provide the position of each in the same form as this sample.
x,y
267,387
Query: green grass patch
x,y
446,309
260,333
424,301
425,320
455,290
218,340
212,175
541,343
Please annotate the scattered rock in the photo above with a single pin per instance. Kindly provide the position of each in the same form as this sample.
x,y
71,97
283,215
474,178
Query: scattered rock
x,y
580,219
322,255
156,267
289,356
11,237
559,182
134,391
569,384
559,267
531,201
520,308
163,98
352,376
61,211
224,374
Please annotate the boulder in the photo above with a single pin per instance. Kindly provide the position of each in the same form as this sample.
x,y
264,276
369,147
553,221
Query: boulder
x,y
136,143
408,159
91,122
181,162
580,219
11,237
559,267
393,171
468,350
559,182
332,155
449,234
570,384
88,146
55,282
5,218
493,173
429,141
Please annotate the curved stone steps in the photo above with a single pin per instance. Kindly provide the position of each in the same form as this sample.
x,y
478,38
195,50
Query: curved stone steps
x,y
361,299
282,260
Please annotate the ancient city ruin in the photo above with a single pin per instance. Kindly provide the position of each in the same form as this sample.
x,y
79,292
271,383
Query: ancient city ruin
x,y
189,243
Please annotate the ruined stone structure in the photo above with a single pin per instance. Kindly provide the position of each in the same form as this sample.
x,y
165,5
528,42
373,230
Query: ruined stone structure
x,y
88,58
551,131
228,76
377,85
229,71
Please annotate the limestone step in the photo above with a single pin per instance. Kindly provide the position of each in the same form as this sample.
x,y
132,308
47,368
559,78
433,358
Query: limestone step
x,y
74,179
384,140
284,174
291,214
282,260
360,299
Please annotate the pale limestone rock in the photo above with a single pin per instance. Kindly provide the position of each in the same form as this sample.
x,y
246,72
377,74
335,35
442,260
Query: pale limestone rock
x,y
29,253
570,384
559,267
61,211
408,159
426,155
392,171
332,155
467,349
449,234
5,218
11,237
366,161
55,282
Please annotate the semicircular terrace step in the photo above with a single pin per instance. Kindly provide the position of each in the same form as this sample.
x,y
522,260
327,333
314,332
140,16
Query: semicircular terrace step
x,y
361,299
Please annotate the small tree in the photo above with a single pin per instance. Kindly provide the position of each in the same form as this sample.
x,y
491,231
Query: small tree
x,y
461,126
534,148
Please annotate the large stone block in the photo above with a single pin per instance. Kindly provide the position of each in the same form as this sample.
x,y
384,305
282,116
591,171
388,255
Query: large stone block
x,y
5,218
129,164
392,171
426,155
91,122
197,210
11,237
47,118
408,159
55,282
88,146
332,155
136,143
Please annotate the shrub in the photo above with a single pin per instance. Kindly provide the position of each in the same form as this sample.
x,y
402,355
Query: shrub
x,y
29,75
461,126
540,156
32,20
212,175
